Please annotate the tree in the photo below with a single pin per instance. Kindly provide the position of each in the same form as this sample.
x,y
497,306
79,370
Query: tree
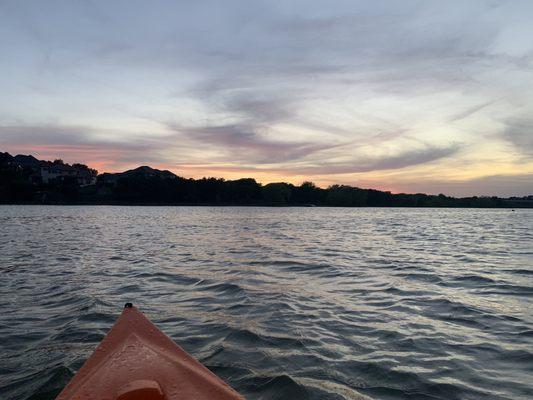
x,y
277,193
308,193
242,191
346,196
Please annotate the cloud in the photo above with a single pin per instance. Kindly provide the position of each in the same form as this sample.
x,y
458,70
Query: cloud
x,y
266,110
387,162
409,158
242,143
519,131
472,110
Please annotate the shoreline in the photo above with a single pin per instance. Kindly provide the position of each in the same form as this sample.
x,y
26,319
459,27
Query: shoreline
x,y
258,205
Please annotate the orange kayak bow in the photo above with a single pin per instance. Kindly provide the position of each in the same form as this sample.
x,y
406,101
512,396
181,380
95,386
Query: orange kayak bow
x,y
136,361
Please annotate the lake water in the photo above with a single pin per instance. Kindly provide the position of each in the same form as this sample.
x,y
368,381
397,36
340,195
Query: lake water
x,y
282,303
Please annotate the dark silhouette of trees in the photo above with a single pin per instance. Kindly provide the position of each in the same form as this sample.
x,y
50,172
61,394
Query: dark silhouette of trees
x,y
278,194
85,168
308,194
346,196
208,190
21,182
15,184
244,191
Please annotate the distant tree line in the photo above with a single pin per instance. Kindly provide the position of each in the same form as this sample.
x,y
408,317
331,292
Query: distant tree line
x,y
145,185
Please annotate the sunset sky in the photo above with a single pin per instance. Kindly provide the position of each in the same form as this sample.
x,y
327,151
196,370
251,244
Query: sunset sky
x,y
415,96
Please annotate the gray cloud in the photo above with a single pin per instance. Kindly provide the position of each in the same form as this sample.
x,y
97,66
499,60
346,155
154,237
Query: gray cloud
x,y
409,158
471,110
397,161
244,144
256,110
519,131
49,135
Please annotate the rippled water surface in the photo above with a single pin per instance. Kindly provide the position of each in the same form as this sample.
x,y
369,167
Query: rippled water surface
x,y
283,303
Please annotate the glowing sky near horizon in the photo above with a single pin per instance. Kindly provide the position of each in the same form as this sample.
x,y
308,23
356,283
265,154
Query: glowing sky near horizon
x,y
415,96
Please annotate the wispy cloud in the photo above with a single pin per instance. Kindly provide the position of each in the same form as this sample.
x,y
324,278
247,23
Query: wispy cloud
x,y
385,162
241,143
519,131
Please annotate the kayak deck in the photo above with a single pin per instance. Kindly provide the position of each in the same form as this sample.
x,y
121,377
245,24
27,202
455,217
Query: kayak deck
x,y
136,361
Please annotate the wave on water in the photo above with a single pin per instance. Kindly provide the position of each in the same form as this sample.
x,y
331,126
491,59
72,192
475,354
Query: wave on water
x,y
282,303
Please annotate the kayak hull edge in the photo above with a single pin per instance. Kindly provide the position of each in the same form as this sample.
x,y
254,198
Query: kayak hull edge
x,y
137,361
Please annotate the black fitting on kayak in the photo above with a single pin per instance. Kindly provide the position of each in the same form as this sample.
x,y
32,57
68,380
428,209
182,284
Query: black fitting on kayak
x,y
128,305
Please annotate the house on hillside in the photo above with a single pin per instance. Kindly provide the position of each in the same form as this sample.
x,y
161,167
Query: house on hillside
x,y
50,172
58,171
46,172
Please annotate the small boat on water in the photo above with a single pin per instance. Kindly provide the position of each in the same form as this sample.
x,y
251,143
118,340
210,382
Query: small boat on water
x,y
136,361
